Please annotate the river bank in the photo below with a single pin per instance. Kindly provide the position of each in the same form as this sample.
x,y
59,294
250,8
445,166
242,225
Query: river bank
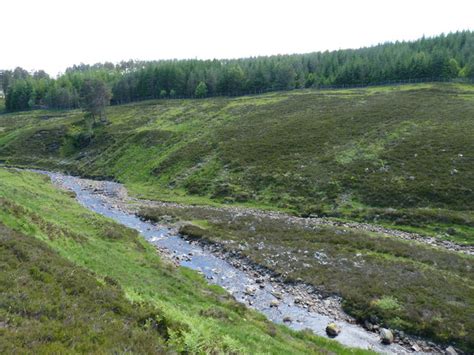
x,y
279,294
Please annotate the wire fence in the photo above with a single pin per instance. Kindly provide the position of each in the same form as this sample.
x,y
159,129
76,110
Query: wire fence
x,y
314,87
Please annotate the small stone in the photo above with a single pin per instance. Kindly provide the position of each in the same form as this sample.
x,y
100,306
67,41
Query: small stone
x,y
450,351
277,294
297,300
386,335
415,347
332,330
249,290
287,319
368,325
274,303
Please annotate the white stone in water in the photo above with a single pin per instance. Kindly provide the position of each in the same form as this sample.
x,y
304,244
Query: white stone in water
x,y
450,351
386,335
249,290
274,303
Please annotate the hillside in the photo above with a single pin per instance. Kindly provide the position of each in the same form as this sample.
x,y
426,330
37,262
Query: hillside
x,y
73,281
441,58
400,156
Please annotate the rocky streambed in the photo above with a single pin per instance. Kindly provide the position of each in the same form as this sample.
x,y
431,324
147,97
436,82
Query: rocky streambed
x,y
297,305
315,222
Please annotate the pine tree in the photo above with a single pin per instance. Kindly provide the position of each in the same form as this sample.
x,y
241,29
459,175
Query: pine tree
x,y
201,90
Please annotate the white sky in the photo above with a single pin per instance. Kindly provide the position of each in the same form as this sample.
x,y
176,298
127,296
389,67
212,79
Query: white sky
x,y
55,34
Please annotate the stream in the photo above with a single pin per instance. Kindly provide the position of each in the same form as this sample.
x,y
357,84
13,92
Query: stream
x,y
220,272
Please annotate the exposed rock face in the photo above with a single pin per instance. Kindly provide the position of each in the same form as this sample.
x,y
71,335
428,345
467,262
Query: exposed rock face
x,y
450,351
332,330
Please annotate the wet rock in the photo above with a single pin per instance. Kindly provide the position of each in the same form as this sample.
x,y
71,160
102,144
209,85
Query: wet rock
x,y
368,325
274,303
287,319
332,330
249,290
450,351
386,335
415,347
277,294
297,300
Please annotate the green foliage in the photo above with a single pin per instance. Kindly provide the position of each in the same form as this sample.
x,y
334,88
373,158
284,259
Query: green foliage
x,y
20,96
61,96
201,90
310,80
95,96
444,56
405,285
48,304
99,287
393,155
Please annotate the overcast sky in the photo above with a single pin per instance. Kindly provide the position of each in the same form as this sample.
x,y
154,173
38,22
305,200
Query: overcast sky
x,y
54,34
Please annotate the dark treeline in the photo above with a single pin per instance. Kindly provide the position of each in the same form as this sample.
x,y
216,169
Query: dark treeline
x,y
445,56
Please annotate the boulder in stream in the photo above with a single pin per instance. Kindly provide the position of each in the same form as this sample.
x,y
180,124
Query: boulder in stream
x,y
386,335
333,330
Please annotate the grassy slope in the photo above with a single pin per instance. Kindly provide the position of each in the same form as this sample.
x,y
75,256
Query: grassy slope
x,y
188,314
396,155
49,305
405,285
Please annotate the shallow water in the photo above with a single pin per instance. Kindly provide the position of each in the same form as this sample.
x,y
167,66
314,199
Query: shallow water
x,y
220,272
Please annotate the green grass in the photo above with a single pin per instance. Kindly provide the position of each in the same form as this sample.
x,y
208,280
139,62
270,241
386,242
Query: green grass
x,y
50,305
398,156
405,285
113,286
341,153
